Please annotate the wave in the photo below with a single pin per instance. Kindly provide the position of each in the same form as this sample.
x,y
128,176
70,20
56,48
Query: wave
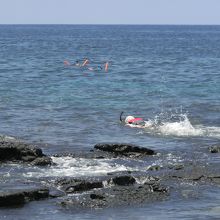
x,y
77,167
7,138
180,126
81,167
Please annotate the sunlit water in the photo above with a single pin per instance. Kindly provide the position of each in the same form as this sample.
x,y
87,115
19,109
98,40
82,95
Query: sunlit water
x,y
169,75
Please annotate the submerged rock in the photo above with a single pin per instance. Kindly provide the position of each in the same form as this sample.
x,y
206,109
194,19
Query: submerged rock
x,y
42,161
96,196
117,190
118,195
123,180
214,149
20,197
124,149
17,151
11,199
78,185
155,168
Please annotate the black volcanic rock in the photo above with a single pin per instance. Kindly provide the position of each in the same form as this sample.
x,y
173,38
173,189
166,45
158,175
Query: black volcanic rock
x,y
78,185
118,196
20,197
123,180
214,149
124,149
17,151
11,199
42,161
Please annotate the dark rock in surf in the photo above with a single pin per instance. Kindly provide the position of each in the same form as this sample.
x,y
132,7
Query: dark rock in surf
x,y
123,180
124,149
176,166
17,151
155,168
12,199
96,196
42,161
214,149
78,185
118,196
20,197
36,194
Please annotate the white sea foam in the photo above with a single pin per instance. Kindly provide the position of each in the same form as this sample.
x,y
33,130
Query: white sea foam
x,y
81,167
6,138
180,128
77,167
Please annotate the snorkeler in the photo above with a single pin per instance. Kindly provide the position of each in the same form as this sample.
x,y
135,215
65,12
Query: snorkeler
x,y
77,63
66,63
86,62
97,68
133,122
106,66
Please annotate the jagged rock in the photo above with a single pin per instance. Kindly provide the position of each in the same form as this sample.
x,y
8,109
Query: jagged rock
x,y
11,199
42,161
124,149
96,196
20,197
36,194
17,151
155,168
123,180
83,186
214,149
176,166
77,185
118,195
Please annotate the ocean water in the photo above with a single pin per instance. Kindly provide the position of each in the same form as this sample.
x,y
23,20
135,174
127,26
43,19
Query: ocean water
x,y
169,75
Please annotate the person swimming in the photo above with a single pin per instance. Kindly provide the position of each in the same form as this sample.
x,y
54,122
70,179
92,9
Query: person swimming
x,y
97,68
132,121
77,63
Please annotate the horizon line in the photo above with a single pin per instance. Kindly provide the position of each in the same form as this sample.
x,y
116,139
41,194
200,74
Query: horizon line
x,y
110,24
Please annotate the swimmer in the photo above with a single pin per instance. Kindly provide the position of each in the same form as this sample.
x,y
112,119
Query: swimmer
x,y
66,63
77,63
106,66
133,122
86,62
98,68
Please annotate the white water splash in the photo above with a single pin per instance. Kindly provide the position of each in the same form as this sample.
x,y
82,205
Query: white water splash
x,y
7,138
180,128
77,167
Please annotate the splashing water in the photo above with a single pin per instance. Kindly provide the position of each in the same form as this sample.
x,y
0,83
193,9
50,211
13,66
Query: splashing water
x,y
77,167
181,127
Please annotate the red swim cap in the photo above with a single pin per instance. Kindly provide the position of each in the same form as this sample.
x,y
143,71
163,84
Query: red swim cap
x,y
135,119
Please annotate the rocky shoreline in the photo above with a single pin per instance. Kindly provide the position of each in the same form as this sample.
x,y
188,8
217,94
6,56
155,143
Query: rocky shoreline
x,y
111,190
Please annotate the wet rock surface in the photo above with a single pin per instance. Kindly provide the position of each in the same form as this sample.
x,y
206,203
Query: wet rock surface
x,y
118,195
17,151
155,182
110,191
123,180
128,150
21,196
214,149
73,185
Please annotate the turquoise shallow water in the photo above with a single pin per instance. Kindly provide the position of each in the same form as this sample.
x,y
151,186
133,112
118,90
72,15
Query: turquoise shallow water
x,y
166,74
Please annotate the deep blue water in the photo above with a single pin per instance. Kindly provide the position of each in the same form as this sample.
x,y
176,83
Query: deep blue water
x,y
169,74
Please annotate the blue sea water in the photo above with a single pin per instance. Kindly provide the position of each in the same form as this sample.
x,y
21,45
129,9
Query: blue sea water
x,y
169,75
